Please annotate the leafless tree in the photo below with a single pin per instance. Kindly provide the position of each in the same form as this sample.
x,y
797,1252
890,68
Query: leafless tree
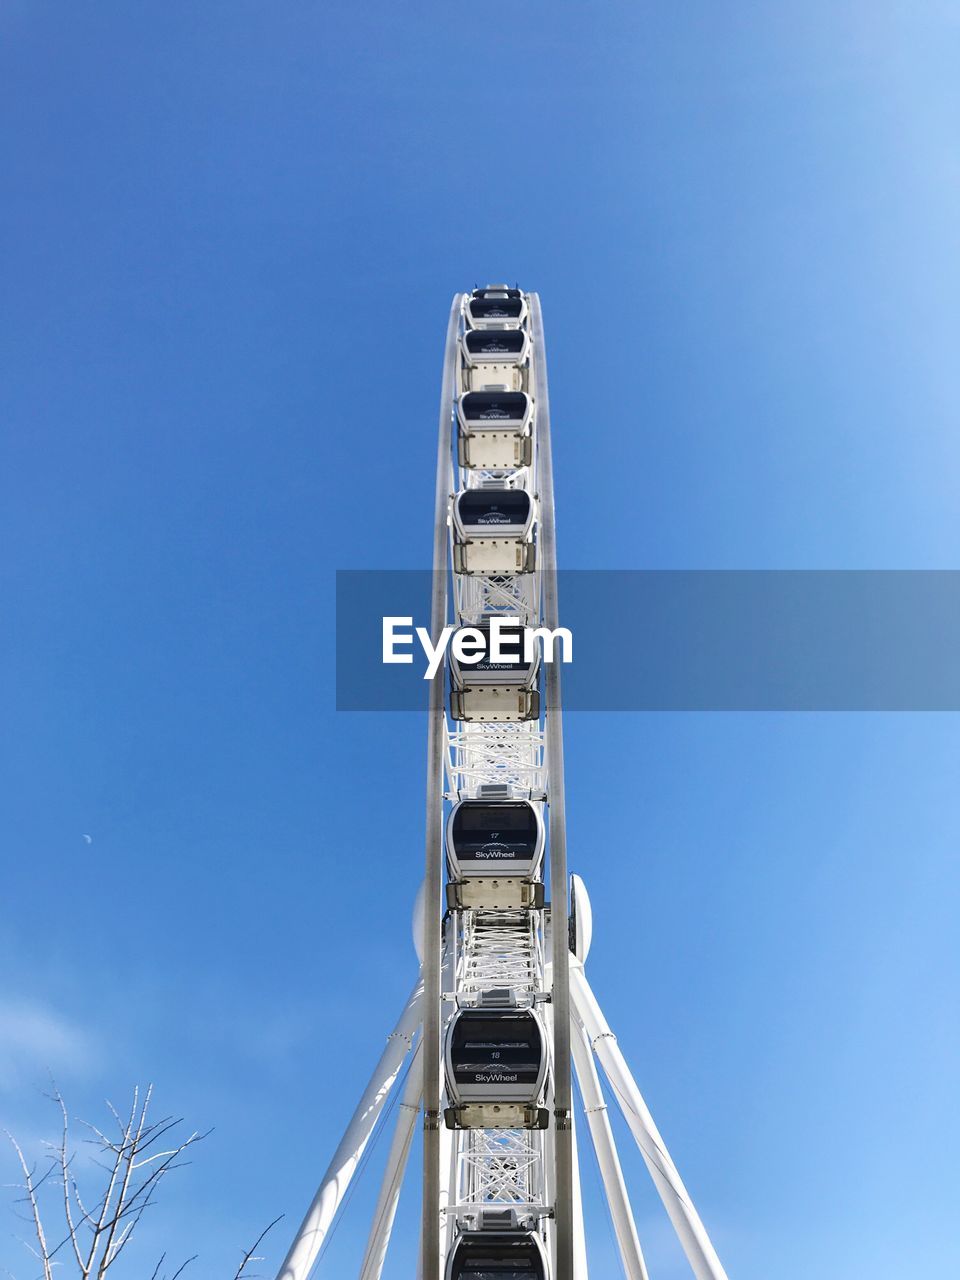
x,y
94,1226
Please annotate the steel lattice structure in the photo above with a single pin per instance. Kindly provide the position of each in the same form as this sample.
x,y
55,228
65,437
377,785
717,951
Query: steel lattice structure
x,y
501,981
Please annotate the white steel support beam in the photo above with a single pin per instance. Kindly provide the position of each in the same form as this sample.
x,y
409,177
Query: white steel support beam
x,y
598,1121
448,1190
580,1270
430,1224
560,997
386,1208
319,1217
686,1221
448,1146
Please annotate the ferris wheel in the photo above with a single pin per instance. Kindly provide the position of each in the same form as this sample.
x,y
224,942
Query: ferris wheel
x,y
501,1012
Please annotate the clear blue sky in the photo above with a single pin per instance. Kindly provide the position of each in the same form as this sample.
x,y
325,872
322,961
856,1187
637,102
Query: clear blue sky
x,y
230,232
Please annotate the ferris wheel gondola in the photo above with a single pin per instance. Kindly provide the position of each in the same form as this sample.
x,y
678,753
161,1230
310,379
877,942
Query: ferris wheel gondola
x,y
501,683
494,855
496,1069
493,530
495,429
497,1255
495,358
495,307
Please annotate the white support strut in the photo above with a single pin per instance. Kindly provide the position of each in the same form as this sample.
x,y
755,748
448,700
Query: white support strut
x,y
386,1207
580,1268
319,1217
615,1190
686,1221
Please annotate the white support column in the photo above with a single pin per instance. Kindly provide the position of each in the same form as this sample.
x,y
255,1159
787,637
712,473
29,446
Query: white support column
x,y
433,868
446,1147
319,1218
549,1185
386,1209
614,1186
580,1270
450,1153
553,730
686,1221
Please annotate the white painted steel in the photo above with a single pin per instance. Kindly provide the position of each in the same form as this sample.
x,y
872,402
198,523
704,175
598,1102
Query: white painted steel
x,y
614,1187
447,1146
510,755
580,1269
386,1207
686,1221
581,919
448,1190
504,948
500,949
500,1168
433,875
553,723
417,921
319,1217
447,1156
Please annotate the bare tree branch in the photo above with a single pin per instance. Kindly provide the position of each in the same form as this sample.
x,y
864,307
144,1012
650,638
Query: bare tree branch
x,y
134,1163
32,1196
249,1256
65,1174
114,1175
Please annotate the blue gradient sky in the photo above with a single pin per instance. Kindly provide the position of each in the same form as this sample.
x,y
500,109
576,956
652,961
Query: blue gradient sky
x,y
230,233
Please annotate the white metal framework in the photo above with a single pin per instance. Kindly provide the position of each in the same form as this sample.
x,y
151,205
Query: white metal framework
x,y
506,1194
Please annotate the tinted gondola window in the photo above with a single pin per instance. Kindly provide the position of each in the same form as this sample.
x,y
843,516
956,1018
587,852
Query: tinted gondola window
x,y
495,342
494,832
488,292
496,308
484,1264
494,406
511,653
492,507
502,1050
